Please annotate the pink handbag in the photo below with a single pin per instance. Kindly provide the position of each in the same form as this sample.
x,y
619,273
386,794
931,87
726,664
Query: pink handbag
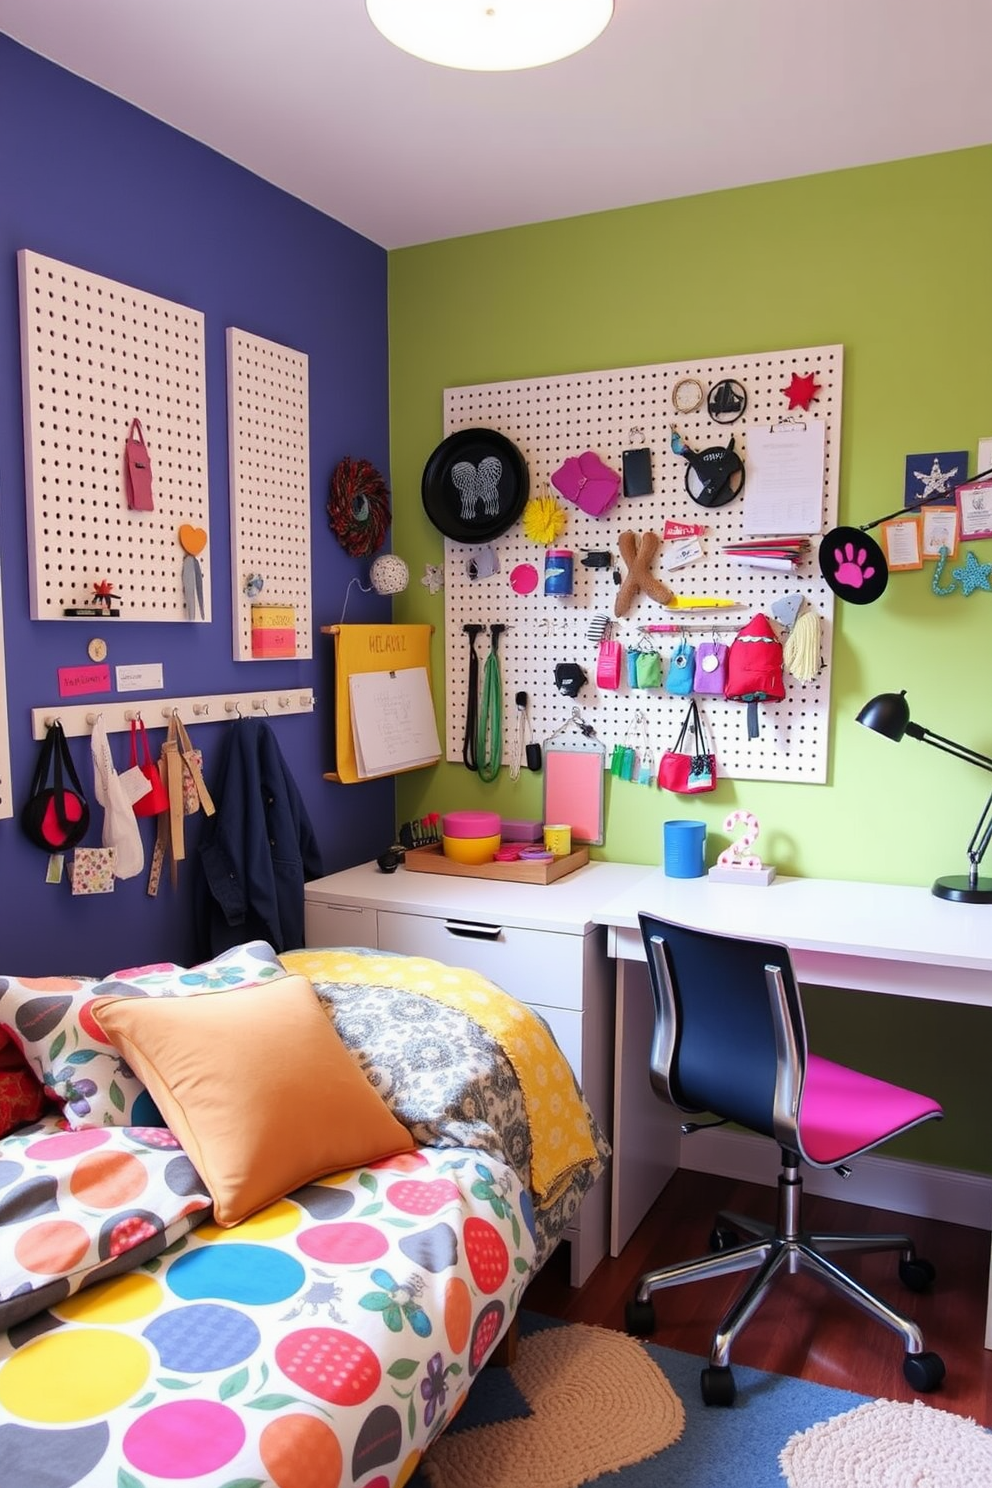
x,y
138,470
689,768
609,664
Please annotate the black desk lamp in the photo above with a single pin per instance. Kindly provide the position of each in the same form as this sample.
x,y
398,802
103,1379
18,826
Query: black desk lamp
x,y
888,714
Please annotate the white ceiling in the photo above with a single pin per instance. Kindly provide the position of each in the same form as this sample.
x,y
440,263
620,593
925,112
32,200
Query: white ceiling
x,y
676,97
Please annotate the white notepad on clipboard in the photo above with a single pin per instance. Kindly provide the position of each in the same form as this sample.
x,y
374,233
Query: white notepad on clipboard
x,y
785,470
392,721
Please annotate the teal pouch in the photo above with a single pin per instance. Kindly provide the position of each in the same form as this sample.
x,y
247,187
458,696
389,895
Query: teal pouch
x,y
681,670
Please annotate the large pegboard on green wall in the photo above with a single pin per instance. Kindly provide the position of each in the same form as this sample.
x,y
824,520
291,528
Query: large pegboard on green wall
x,y
552,418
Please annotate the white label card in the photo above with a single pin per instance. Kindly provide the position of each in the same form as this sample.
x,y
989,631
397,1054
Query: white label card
x,y
145,678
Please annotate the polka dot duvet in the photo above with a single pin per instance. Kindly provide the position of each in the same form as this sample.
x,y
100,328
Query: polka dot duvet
x,y
330,1337
326,1340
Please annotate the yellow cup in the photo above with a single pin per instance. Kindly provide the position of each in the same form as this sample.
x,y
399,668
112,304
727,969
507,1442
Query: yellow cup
x,y
558,840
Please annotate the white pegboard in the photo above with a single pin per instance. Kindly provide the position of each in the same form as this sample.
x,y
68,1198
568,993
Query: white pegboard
x,y
6,790
96,354
552,418
268,412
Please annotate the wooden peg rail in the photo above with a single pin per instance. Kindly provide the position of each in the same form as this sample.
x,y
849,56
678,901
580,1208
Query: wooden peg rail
x,y
221,707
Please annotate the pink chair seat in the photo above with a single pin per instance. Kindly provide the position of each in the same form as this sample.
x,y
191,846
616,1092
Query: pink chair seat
x,y
844,1112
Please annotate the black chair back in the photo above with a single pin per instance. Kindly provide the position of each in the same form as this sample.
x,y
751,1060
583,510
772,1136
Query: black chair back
x,y
730,1037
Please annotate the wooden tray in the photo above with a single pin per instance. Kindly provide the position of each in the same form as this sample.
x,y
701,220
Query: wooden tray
x,y
432,860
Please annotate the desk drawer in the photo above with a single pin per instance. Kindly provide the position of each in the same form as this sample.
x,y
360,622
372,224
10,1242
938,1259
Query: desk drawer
x,y
338,925
539,967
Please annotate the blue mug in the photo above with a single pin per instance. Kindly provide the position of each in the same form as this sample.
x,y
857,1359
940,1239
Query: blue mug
x,y
685,847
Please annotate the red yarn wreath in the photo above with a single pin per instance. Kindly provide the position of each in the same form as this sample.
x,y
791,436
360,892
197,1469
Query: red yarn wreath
x,y
359,506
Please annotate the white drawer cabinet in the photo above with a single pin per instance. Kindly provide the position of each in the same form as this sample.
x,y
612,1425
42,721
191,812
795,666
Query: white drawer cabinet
x,y
537,942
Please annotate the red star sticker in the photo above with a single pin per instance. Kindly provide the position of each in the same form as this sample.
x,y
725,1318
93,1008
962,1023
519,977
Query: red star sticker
x,y
801,390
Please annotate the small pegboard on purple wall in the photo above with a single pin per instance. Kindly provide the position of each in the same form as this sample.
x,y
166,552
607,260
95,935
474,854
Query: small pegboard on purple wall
x,y
95,355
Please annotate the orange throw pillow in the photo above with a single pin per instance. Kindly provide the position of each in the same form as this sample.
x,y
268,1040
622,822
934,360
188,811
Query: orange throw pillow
x,y
256,1085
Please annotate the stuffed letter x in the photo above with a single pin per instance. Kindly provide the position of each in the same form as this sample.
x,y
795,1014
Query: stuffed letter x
x,y
638,554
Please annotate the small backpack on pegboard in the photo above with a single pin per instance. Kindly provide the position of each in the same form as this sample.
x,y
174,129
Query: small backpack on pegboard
x,y
754,669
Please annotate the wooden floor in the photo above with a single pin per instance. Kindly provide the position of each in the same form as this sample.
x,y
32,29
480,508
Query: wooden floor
x,y
802,1329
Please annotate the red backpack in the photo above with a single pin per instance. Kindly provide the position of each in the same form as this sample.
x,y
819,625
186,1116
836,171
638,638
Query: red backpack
x,y
754,669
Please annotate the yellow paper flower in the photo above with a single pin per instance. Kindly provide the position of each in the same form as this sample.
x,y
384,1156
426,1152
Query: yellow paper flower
x,y
544,519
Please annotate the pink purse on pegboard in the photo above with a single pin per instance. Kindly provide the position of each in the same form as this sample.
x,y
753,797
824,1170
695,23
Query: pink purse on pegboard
x,y
137,470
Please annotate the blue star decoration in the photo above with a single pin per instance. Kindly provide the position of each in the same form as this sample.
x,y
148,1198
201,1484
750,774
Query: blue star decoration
x,y
974,575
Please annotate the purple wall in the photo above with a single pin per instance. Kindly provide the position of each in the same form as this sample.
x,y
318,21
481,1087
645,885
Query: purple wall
x,y
89,180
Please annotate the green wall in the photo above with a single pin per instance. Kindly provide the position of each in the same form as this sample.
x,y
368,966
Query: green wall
x,y
890,261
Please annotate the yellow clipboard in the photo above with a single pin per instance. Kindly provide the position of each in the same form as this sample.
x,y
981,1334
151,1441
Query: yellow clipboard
x,y
368,648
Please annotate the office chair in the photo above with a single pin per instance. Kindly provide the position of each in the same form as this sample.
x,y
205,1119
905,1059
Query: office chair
x,y
730,1039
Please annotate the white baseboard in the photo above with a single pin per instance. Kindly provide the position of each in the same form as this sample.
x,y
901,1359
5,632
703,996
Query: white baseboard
x,y
882,1182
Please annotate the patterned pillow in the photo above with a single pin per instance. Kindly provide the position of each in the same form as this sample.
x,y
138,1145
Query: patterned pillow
x,y
49,1019
76,1207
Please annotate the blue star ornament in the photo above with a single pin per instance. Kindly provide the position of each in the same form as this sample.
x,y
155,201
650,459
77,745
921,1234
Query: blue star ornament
x,y
974,575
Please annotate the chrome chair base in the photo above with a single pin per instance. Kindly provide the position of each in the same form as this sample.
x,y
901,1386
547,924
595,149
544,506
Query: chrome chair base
x,y
785,1248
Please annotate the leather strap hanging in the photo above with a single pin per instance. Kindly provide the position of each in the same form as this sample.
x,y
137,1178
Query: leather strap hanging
x,y
170,840
174,785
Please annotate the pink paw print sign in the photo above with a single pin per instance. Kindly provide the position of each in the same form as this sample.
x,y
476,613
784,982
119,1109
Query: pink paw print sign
x,y
853,565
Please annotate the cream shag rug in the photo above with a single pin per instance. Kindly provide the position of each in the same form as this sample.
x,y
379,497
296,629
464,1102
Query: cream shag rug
x,y
885,1444
599,1403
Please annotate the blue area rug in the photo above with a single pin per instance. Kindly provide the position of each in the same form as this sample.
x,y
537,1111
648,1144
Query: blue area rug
x,y
718,1447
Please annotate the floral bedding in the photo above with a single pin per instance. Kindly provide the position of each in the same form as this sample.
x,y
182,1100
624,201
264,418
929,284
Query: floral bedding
x,y
327,1339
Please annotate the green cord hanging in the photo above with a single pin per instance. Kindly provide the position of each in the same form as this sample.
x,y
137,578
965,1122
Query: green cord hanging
x,y
489,740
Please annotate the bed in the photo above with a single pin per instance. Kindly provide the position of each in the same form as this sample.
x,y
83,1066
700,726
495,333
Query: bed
x,y
221,1301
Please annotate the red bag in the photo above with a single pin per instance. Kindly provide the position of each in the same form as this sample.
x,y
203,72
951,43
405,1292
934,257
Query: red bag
x,y
155,800
686,772
54,816
138,470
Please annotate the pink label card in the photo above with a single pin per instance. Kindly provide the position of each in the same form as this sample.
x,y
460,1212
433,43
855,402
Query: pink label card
x,y
79,680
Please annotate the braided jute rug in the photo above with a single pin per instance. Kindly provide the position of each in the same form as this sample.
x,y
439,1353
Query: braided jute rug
x,y
587,1407
598,1402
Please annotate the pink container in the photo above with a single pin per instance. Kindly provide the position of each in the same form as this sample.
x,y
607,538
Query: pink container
x,y
470,824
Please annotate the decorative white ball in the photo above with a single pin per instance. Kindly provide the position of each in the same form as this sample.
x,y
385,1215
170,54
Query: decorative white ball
x,y
388,574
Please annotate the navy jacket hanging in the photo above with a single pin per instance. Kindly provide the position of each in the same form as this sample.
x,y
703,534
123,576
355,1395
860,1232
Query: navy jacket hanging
x,y
259,848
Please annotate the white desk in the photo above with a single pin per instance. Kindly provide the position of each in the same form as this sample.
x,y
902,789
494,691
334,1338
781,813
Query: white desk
x,y
868,937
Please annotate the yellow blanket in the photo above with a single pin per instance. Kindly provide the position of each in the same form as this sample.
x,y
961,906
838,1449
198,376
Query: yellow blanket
x,y
560,1133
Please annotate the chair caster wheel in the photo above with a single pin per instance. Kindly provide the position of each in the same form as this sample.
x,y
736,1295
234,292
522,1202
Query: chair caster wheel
x,y
723,1238
916,1274
717,1385
924,1372
639,1318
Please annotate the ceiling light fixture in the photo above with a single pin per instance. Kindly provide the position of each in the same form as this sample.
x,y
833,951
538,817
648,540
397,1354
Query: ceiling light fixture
x,y
490,35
